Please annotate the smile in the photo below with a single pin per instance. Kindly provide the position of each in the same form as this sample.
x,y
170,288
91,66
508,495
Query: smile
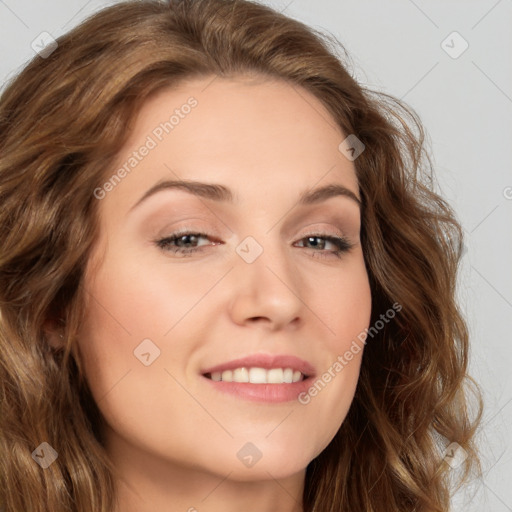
x,y
270,378
257,375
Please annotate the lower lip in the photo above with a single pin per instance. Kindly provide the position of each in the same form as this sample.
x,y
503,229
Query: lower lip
x,y
271,393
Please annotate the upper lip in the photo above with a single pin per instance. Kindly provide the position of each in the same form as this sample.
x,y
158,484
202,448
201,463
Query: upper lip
x,y
267,361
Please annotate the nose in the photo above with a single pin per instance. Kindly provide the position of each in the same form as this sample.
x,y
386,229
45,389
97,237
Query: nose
x,y
267,291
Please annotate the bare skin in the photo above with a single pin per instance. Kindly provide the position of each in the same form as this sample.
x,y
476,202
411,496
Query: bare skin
x,y
174,437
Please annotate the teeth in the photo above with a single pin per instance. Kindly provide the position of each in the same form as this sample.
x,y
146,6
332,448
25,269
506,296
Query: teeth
x,y
227,376
259,375
241,375
275,376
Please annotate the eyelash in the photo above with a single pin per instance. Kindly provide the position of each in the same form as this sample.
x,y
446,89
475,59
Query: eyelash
x,y
342,244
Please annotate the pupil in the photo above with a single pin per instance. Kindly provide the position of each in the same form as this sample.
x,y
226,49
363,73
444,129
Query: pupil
x,y
313,238
185,237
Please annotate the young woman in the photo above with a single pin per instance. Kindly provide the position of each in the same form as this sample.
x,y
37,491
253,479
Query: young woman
x,y
224,281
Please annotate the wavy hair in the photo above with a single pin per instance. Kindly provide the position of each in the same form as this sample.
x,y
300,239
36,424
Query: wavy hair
x,y
63,120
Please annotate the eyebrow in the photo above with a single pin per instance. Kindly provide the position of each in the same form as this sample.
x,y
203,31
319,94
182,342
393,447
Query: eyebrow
x,y
221,193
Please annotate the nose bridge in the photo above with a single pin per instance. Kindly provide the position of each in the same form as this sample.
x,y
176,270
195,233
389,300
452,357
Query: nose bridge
x,y
264,257
266,284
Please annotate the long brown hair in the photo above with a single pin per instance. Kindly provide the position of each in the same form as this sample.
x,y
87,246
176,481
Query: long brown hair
x,y
62,122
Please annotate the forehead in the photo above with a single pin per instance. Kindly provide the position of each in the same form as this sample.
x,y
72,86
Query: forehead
x,y
258,136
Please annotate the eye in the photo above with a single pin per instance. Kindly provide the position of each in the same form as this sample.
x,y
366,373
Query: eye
x,y
177,242
186,243
341,244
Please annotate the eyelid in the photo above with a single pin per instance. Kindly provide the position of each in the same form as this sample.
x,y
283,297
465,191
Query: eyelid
x,y
343,244
306,231
330,230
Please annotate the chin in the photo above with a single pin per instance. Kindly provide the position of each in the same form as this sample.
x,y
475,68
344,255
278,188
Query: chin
x,y
268,470
264,460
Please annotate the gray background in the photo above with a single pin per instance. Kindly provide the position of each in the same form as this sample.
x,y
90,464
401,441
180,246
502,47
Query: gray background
x,y
466,107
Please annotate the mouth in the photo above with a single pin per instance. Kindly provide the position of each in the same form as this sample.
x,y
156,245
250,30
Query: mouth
x,y
262,377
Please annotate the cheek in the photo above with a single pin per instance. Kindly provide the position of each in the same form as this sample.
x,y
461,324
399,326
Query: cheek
x,y
131,300
130,307
345,306
137,308
126,306
346,312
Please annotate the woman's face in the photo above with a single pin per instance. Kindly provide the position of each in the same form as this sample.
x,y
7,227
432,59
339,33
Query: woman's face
x,y
261,296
